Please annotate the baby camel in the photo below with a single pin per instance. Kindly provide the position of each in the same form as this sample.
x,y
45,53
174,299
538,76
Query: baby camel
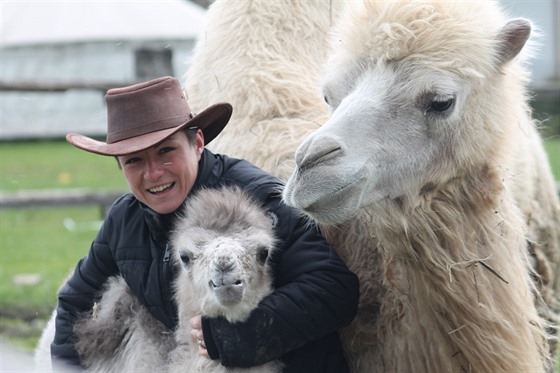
x,y
220,247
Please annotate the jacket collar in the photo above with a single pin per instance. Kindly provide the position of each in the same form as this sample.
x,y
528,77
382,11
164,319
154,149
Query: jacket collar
x,y
158,224
208,171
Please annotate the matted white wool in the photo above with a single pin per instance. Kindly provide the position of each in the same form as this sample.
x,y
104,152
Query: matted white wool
x,y
420,179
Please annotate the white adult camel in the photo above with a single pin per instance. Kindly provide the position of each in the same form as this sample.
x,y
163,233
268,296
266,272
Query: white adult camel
x,y
265,58
412,180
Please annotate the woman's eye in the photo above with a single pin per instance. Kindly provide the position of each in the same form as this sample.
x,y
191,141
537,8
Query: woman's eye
x,y
131,160
166,149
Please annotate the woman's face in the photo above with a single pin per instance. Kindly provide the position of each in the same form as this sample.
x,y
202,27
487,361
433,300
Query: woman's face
x,y
162,176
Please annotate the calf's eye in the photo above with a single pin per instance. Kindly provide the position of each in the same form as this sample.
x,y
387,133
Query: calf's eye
x,y
185,258
262,254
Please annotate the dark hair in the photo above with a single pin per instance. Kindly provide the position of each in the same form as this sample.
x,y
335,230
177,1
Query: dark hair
x,y
190,132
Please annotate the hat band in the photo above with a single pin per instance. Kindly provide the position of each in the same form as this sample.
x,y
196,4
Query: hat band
x,y
114,136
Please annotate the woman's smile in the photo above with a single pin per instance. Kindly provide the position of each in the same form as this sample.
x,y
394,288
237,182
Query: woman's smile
x,y
162,188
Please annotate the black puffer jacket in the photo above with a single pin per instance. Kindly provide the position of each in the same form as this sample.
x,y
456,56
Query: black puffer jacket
x,y
315,293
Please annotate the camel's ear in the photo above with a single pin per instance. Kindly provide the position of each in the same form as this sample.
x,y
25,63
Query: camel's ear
x,y
512,39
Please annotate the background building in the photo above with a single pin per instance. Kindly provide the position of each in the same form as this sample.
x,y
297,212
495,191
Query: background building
x,y
59,58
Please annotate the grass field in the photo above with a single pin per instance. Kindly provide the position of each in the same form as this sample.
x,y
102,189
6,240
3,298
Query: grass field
x,y
553,150
55,164
38,247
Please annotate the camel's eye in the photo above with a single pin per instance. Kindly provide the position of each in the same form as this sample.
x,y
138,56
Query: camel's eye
x,y
185,258
438,104
441,106
326,99
262,254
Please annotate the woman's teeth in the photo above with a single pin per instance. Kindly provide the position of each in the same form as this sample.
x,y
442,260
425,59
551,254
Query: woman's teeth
x,y
160,188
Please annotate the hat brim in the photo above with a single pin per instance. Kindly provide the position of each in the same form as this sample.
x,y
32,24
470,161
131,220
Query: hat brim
x,y
211,121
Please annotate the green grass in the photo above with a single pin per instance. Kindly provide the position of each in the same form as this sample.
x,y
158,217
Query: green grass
x,y
35,243
55,164
48,251
552,147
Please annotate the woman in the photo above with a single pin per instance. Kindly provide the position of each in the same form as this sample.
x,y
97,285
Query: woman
x,y
159,145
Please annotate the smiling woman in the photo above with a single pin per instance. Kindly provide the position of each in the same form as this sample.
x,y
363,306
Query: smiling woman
x,y
160,146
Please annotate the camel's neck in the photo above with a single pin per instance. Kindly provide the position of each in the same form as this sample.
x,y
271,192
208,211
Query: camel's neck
x,y
455,266
460,221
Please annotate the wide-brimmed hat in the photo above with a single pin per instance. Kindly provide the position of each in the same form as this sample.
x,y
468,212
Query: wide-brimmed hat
x,y
142,115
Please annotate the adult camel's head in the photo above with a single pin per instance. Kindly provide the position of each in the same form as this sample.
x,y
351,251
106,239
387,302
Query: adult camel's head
x,y
419,94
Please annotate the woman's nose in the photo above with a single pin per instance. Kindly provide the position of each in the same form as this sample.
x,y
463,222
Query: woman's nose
x,y
153,170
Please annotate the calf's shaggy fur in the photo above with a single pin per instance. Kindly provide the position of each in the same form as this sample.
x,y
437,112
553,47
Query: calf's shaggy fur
x,y
221,247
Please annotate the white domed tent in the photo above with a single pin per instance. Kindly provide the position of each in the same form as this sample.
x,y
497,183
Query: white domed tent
x,y
59,57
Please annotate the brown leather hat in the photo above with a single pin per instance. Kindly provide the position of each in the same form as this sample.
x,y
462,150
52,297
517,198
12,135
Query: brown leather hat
x,y
142,115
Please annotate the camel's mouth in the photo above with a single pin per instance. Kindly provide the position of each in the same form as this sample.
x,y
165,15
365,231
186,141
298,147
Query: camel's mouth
x,y
229,295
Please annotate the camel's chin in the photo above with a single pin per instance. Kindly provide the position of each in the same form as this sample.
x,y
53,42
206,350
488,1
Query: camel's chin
x,y
329,205
332,214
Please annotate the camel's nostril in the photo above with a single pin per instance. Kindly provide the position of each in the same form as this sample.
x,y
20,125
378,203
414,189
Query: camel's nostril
x,y
319,150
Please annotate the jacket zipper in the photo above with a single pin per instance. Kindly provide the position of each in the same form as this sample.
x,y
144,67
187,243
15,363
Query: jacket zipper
x,y
165,277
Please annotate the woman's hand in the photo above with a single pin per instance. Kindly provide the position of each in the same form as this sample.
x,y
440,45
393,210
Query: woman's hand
x,y
196,332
